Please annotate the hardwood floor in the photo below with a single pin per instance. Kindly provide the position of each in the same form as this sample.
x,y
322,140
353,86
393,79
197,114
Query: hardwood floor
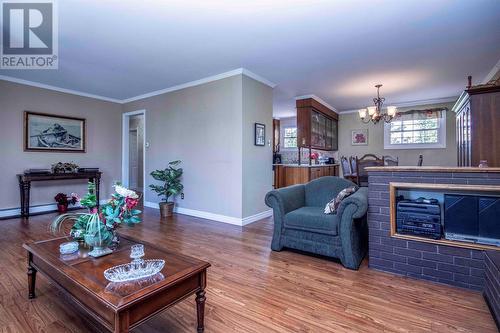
x,y
250,288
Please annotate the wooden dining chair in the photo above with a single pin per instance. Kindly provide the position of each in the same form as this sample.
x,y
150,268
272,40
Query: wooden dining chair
x,y
354,169
420,160
390,161
362,163
346,168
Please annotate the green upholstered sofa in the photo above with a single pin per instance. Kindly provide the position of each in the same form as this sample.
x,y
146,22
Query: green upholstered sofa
x,y
300,222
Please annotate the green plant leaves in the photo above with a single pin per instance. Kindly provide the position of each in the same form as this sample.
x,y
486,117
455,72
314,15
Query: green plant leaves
x,y
170,177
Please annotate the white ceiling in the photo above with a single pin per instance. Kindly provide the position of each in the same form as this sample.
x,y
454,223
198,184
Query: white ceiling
x,y
336,50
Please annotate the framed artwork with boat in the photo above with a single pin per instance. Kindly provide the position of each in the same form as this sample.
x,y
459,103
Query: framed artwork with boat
x,y
50,132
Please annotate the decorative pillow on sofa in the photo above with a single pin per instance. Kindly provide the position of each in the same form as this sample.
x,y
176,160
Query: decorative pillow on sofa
x,y
331,207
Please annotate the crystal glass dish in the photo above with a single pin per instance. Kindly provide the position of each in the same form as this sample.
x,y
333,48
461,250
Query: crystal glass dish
x,y
134,270
137,251
68,247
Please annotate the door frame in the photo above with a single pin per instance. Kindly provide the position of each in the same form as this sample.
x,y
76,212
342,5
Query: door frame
x,y
134,132
125,147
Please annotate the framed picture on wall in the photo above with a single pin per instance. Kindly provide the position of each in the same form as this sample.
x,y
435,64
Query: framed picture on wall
x,y
359,137
260,134
55,133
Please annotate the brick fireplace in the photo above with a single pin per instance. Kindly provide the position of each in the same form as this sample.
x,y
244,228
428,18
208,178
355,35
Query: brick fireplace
x,y
450,263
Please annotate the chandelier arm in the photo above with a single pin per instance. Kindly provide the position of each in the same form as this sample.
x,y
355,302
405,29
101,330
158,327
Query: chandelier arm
x,y
366,120
387,118
378,115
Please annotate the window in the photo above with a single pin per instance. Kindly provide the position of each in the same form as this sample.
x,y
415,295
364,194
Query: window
x,y
290,137
414,130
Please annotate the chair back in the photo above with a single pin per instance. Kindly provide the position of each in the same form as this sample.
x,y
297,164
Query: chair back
x,y
346,167
320,191
420,160
365,161
390,161
354,166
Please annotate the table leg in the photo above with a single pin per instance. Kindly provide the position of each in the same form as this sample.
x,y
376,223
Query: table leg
x,y
31,279
21,196
26,199
122,322
200,310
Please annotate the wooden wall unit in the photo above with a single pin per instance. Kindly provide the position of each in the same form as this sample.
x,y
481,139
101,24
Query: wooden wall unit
x,y
317,125
478,124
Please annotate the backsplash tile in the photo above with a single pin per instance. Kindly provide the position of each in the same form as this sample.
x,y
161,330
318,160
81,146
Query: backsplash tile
x,y
292,156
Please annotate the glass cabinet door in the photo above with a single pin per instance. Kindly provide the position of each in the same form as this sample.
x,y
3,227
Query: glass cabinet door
x,y
335,135
329,134
322,131
315,130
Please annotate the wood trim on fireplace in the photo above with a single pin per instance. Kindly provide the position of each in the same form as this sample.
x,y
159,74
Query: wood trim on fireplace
x,y
394,186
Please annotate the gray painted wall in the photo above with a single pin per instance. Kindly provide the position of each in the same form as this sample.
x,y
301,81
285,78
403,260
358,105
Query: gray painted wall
x,y
257,160
440,156
210,128
201,126
103,142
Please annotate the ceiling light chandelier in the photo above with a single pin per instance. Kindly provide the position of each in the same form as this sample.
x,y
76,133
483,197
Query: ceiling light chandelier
x,y
375,112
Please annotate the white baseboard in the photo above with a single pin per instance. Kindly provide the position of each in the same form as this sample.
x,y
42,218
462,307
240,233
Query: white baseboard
x,y
215,217
257,217
11,212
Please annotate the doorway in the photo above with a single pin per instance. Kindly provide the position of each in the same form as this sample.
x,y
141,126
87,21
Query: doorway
x,y
134,150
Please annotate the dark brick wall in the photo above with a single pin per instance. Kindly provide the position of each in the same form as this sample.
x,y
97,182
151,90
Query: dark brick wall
x,y
492,284
444,264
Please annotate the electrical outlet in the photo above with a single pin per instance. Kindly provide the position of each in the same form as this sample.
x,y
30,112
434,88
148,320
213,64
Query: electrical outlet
x,y
182,196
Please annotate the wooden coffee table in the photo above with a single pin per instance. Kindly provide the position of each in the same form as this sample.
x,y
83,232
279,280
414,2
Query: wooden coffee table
x,y
118,307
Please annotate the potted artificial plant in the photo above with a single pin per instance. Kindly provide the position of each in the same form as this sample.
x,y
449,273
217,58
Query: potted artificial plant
x,y
63,201
172,186
98,228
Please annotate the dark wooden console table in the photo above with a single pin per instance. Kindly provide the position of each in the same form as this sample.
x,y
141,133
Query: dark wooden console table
x,y
26,179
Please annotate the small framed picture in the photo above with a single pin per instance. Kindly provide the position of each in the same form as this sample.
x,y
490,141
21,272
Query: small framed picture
x,y
260,134
359,137
48,132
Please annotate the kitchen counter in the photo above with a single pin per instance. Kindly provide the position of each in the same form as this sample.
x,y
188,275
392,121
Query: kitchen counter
x,y
291,174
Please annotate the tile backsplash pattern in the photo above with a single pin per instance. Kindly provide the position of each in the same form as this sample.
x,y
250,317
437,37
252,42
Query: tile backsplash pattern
x,y
292,156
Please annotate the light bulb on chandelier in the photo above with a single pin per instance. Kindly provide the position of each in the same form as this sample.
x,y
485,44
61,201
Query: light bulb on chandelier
x,y
375,112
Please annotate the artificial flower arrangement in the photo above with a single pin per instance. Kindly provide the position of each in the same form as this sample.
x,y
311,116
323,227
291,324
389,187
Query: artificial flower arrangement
x,y
314,156
98,228
63,200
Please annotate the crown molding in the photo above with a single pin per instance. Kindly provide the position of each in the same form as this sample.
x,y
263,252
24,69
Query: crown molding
x,y
257,77
58,89
239,71
318,100
494,72
414,103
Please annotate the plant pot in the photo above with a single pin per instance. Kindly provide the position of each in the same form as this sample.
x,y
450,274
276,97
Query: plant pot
x,y
99,246
166,209
62,208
